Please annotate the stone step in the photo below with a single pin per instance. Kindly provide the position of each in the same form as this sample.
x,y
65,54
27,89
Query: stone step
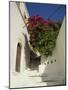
x,y
34,75
31,72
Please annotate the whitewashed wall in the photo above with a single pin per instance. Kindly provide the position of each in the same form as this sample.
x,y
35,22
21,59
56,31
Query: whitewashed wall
x,y
17,30
55,70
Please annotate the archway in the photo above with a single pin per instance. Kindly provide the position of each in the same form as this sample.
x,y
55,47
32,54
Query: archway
x,y
18,58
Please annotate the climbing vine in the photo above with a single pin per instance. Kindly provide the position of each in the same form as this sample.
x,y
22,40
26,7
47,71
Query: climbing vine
x,y
43,34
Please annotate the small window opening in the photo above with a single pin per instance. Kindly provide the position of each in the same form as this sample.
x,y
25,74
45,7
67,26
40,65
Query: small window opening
x,y
47,62
24,16
51,61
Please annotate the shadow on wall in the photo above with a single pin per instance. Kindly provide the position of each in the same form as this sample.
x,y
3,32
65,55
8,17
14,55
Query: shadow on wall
x,y
27,52
55,71
35,60
51,75
32,60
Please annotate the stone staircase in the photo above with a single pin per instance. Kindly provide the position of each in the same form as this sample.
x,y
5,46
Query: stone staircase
x,y
34,75
32,78
45,73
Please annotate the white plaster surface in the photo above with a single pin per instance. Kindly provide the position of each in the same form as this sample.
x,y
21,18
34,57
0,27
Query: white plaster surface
x,y
56,70
17,32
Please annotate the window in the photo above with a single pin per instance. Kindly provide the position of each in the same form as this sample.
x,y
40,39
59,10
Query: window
x,y
18,58
47,62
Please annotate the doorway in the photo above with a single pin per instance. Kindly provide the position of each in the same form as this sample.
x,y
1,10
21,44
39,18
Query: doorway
x,y
18,58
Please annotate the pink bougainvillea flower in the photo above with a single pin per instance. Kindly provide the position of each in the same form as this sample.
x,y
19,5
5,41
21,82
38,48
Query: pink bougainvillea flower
x,y
37,20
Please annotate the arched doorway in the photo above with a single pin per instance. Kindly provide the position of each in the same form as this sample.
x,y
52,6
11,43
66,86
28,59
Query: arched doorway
x,y
18,58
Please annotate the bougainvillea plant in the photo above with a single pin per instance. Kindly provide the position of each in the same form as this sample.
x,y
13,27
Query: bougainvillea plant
x,y
43,34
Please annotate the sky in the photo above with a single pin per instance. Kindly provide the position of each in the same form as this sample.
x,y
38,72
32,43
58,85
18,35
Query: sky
x,y
52,11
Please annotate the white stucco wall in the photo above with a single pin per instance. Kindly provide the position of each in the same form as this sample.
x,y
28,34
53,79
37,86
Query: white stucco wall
x,y
56,70
60,49
17,30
